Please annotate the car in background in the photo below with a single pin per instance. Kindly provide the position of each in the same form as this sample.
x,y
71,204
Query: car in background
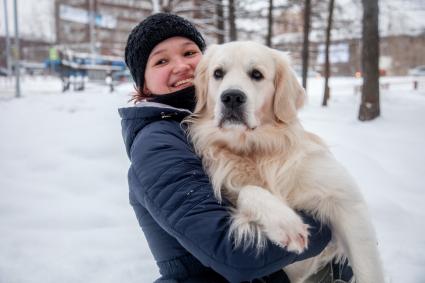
x,y
417,71
122,76
4,72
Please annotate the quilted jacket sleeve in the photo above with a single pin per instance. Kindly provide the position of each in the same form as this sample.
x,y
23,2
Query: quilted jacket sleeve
x,y
173,187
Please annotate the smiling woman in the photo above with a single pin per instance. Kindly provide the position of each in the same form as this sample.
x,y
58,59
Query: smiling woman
x,y
171,66
162,53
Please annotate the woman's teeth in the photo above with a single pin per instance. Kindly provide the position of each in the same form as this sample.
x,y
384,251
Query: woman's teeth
x,y
183,82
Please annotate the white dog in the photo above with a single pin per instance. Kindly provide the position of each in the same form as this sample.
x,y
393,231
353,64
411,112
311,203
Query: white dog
x,y
246,130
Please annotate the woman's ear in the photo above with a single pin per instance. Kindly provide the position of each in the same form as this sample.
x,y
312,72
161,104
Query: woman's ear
x,y
289,94
201,80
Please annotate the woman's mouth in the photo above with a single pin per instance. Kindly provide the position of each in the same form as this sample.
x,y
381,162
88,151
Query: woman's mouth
x,y
184,82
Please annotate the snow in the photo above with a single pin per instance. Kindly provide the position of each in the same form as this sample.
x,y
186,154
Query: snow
x,y
64,208
64,212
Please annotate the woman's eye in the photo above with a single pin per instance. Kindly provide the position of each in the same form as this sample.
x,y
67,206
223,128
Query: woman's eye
x,y
256,75
160,62
190,53
218,74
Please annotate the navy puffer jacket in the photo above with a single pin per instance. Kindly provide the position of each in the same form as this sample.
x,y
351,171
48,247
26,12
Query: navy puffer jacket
x,y
185,226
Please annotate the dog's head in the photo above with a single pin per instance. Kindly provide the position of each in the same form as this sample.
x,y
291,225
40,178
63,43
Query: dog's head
x,y
246,85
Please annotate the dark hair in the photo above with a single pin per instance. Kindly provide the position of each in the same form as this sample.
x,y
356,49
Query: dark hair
x,y
147,34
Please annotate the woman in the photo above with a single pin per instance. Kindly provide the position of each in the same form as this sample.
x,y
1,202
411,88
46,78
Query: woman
x,y
186,228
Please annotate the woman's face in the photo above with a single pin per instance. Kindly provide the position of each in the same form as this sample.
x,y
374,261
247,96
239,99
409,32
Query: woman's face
x,y
171,65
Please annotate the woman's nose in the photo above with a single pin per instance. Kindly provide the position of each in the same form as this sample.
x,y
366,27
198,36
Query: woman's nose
x,y
181,65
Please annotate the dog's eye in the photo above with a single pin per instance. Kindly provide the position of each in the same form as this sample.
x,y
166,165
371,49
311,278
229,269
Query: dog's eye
x,y
256,75
218,74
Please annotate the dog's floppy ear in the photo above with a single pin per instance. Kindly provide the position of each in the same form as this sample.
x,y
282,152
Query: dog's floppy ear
x,y
201,80
289,94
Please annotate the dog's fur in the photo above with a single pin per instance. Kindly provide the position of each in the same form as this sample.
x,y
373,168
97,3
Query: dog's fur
x,y
260,158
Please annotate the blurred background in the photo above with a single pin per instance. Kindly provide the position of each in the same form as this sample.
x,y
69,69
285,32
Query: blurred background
x,y
64,209
80,40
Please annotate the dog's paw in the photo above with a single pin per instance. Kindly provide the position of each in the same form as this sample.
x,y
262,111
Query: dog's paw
x,y
291,234
246,232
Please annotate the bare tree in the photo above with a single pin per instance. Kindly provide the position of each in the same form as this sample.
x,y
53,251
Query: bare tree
x,y
328,42
219,21
232,21
165,6
197,13
305,51
270,25
202,13
369,107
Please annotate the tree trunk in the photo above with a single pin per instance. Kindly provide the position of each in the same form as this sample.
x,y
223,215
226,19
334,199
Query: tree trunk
x,y
305,51
219,21
326,93
197,13
369,107
232,21
166,6
270,25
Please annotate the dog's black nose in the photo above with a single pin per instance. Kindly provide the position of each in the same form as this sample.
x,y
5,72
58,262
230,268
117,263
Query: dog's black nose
x,y
233,98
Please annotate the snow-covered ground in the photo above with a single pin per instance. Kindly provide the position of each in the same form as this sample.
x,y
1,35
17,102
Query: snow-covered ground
x,y
64,212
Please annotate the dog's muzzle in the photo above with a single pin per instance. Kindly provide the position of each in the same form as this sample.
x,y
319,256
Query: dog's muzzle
x,y
233,102
233,98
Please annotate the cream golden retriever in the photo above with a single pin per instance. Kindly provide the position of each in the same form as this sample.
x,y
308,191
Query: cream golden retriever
x,y
246,130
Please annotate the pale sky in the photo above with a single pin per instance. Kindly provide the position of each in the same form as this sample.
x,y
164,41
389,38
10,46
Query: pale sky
x,y
36,19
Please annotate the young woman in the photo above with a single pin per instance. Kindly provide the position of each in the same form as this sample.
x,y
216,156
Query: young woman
x,y
185,226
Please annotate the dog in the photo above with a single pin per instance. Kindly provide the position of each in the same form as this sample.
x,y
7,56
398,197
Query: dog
x,y
259,157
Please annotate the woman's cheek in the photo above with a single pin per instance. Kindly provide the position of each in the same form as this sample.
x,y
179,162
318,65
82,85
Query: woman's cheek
x,y
196,60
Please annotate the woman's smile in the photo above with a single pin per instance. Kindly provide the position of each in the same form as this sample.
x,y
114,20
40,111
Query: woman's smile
x,y
183,83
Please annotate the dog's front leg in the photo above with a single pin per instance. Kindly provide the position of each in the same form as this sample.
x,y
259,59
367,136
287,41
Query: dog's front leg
x,y
258,213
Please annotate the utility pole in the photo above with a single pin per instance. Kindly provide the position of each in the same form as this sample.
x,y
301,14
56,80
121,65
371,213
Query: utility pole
x,y
92,18
17,55
6,25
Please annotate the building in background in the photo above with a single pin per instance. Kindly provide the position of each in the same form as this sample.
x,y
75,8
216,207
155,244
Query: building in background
x,y
100,26
31,50
103,26
401,48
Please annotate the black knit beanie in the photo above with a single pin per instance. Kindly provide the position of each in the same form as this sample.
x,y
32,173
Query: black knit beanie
x,y
151,31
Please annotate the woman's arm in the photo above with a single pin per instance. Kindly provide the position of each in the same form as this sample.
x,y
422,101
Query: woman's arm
x,y
168,179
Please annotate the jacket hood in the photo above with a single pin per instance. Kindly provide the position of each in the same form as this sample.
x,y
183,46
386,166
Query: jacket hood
x,y
134,119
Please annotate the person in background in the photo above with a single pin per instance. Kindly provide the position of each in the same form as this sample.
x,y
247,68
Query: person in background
x,y
185,226
109,81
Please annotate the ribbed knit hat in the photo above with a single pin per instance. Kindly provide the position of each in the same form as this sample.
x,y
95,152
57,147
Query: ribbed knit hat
x,y
151,31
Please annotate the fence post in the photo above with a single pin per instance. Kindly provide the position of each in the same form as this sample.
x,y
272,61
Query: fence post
x,y
18,51
415,85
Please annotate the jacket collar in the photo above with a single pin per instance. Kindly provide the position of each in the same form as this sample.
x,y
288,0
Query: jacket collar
x,y
182,99
135,118
151,104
